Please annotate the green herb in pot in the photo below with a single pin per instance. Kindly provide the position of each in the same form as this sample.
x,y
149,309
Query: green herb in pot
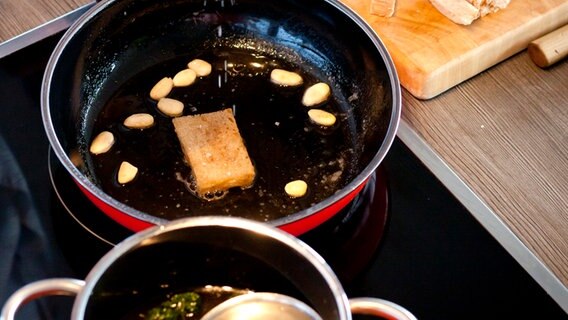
x,y
179,307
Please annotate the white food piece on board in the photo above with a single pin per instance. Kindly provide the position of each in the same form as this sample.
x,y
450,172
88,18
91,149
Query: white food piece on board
x,y
102,142
170,107
383,8
459,11
126,172
139,121
285,78
316,94
322,117
486,7
162,88
184,78
201,67
464,12
296,188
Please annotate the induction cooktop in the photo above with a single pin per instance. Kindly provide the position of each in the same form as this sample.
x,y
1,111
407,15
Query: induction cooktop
x,y
405,239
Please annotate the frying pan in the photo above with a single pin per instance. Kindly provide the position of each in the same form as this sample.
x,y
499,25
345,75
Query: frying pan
x,y
114,40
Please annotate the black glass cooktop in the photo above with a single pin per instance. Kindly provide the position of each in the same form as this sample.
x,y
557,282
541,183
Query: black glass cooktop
x,y
405,239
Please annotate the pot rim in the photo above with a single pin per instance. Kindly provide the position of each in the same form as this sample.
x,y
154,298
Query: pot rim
x,y
356,182
263,229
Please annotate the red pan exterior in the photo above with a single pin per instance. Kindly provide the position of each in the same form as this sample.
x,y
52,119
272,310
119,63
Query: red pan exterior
x,y
119,216
312,221
296,228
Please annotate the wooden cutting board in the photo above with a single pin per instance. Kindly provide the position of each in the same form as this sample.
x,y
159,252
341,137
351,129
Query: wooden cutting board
x,y
432,54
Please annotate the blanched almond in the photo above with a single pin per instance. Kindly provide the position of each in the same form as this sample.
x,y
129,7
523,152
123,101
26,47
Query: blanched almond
x,y
162,88
102,142
170,107
296,188
184,78
285,78
321,117
139,121
201,67
316,94
126,172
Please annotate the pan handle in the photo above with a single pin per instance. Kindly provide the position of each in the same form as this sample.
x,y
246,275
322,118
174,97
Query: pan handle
x,y
38,289
380,308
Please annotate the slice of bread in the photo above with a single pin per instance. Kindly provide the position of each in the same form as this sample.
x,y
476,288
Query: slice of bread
x,y
215,151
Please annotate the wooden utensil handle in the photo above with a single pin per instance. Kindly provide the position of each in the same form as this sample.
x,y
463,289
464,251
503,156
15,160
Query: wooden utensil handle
x,y
550,48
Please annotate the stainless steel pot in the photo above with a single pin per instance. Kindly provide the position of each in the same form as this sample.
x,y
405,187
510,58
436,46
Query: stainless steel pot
x,y
202,251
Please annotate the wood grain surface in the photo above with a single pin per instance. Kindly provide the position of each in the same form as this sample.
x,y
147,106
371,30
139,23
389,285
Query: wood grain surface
x,y
19,16
505,134
433,54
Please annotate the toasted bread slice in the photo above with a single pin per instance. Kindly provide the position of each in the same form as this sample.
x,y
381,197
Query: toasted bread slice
x,y
215,151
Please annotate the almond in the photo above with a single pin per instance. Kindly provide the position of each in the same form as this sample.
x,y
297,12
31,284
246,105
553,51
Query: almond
x,y
321,117
162,88
126,172
170,107
201,67
139,121
316,94
285,78
102,143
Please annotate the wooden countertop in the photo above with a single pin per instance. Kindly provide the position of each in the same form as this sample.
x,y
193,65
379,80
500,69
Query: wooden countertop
x,y
499,142
23,22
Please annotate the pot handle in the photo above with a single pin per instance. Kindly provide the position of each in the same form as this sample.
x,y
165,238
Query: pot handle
x,y
381,308
38,289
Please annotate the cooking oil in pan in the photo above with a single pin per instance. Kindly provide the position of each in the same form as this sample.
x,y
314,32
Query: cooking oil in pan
x,y
282,142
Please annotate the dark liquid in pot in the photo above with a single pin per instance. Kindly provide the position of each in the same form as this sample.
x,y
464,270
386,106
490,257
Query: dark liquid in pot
x,y
209,297
282,142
